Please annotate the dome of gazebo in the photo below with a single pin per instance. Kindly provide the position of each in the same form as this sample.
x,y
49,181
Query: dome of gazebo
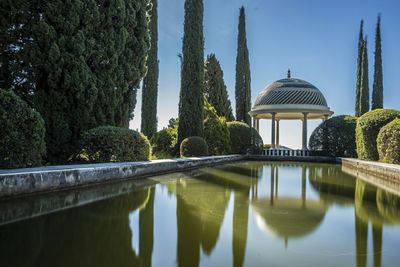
x,y
289,98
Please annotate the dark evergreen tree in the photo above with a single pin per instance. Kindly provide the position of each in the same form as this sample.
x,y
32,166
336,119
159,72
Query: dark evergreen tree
x,y
215,88
77,62
242,86
377,91
359,67
150,82
192,73
364,91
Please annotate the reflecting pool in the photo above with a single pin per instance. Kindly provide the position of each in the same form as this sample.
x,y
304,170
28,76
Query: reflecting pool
x,y
241,214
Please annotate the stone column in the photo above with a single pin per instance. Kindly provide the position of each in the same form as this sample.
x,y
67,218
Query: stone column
x,y
273,131
304,131
253,122
258,125
277,133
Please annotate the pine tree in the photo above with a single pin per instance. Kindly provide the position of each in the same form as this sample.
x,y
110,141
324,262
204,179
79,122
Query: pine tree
x,y
192,73
215,88
364,91
377,91
359,66
242,86
150,82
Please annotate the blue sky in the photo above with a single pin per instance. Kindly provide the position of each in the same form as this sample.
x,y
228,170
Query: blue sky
x,y
316,39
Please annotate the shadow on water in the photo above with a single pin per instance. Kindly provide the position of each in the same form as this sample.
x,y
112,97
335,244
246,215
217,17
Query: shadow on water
x,y
99,233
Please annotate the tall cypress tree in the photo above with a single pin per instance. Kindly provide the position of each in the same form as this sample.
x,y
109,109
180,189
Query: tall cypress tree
x,y
377,91
242,86
364,91
192,72
215,88
359,67
150,82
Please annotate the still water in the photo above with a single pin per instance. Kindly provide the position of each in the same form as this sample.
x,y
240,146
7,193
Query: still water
x,y
242,214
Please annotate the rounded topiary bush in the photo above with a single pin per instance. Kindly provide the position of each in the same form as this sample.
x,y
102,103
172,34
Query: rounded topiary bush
x,y
336,137
164,141
244,138
388,142
216,131
194,146
113,144
22,134
367,129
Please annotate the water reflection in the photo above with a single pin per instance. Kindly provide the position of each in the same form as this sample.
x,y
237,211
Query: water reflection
x,y
286,201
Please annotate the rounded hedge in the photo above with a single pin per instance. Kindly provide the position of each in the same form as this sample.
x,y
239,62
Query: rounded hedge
x,y
164,141
367,129
216,131
194,146
388,142
336,137
22,134
244,138
113,144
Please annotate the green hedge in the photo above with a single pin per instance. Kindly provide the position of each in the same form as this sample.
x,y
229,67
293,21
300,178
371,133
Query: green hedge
x,y
164,141
368,127
244,138
194,146
336,137
22,134
112,144
216,131
389,142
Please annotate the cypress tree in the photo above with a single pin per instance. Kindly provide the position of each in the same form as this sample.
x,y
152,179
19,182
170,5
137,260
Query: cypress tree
x,y
377,91
150,82
215,88
78,62
364,91
359,67
192,73
242,86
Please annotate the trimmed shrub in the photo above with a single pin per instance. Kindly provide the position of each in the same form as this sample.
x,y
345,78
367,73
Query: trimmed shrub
x,y
216,131
113,144
164,141
244,138
22,134
368,127
388,142
336,137
194,146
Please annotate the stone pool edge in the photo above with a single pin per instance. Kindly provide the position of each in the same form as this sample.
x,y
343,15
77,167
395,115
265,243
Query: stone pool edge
x,y
18,182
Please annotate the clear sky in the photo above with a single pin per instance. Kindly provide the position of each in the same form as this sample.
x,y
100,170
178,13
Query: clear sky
x,y
316,39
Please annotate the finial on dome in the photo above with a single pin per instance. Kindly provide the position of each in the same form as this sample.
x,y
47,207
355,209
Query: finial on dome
x,y
288,74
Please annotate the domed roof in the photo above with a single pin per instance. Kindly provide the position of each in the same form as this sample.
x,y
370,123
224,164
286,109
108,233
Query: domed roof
x,y
290,98
290,91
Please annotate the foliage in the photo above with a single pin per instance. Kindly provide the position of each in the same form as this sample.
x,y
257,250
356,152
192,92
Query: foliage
x,y
242,85
364,89
359,67
367,129
22,133
79,63
388,142
336,136
243,138
165,141
216,131
192,72
150,82
377,91
194,146
215,88
113,144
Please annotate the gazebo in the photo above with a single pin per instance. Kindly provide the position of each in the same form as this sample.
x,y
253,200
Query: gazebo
x,y
289,99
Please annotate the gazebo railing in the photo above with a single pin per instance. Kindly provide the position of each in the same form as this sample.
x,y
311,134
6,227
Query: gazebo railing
x,y
286,152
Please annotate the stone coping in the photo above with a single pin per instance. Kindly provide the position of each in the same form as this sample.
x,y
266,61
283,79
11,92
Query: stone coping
x,y
52,178
313,159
